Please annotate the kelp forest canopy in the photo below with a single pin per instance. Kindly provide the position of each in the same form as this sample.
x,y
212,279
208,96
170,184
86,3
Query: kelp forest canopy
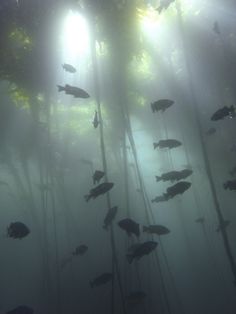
x,y
117,156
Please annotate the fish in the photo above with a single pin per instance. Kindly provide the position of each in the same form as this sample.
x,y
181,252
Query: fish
x,y
222,226
97,176
230,184
216,28
68,68
156,229
135,297
110,216
174,175
178,188
161,105
22,309
101,280
17,230
141,250
200,220
66,261
169,143
80,250
232,172
74,91
211,131
221,113
95,120
160,198
99,190
164,4
130,226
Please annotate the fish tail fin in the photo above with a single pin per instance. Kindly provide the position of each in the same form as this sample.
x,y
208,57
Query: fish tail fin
x,y
129,258
87,197
155,145
60,88
104,227
158,178
159,9
145,229
153,200
63,65
225,185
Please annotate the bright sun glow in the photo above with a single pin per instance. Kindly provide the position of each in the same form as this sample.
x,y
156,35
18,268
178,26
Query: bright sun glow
x,y
149,20
75,35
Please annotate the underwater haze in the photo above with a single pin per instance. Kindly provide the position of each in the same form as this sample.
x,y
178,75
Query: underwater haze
x,y
118,156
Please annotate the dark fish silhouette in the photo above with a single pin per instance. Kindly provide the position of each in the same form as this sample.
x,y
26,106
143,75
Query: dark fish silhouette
x,y
200,220
101,280
66,261
216,28
161,105
17,230
156,229
211,131
231,185
164,4
68,68
141,250
174,175
222,226
160,198
95,120
178,188
99,190
135,297
80,250
74,91
110,216
129,226
97,176
22,309
169,143
223,112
